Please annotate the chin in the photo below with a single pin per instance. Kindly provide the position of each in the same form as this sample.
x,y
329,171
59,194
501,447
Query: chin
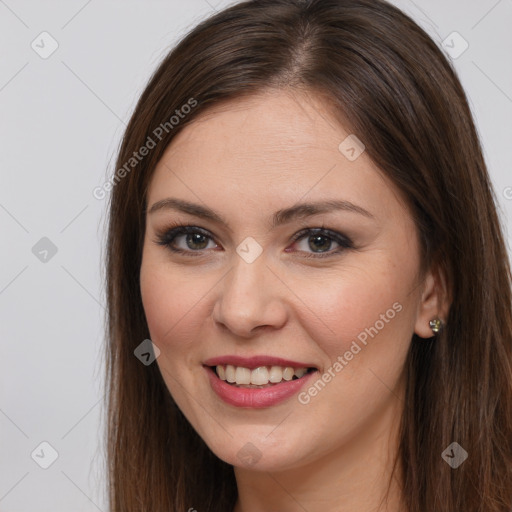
x,y
258,452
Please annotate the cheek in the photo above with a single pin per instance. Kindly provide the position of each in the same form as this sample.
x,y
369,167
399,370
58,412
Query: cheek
x,y
170,305
368,306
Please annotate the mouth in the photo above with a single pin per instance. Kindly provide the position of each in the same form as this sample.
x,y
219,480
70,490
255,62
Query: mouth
x,y
258,387
261,377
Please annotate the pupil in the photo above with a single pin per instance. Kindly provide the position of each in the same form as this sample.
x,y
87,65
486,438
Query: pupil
x,y
190,238
316,238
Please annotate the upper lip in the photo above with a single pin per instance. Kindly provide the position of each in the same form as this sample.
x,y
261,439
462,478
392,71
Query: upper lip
x,y
255,362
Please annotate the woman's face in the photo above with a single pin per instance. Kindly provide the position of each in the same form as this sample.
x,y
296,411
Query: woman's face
x,y
243,290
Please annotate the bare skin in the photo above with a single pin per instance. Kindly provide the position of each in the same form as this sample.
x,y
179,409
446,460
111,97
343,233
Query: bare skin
x,y
245,160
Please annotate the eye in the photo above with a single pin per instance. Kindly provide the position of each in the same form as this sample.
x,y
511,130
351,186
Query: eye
x,y
194,240
322,239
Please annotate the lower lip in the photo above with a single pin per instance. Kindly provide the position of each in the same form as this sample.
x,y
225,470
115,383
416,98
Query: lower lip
x,y
256,398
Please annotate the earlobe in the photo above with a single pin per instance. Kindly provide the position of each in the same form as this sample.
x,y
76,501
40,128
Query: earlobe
x,y
433,306
436,325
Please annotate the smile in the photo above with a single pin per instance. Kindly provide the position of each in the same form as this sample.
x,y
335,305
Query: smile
x,y
260,387
262,376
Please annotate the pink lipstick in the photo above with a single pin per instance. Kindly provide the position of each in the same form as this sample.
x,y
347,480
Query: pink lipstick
x,y
276,389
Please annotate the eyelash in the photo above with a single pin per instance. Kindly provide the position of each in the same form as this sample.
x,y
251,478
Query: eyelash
x,y
167,236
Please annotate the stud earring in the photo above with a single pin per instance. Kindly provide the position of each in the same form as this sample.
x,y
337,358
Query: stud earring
x,y
436,325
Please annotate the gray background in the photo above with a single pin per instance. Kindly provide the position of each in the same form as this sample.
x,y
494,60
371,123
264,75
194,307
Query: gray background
x,y
61,119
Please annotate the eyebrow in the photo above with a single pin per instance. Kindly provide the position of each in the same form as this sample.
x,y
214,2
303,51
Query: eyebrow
x,y
283,216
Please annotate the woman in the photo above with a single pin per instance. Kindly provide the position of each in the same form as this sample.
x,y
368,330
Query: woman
x,y
303,225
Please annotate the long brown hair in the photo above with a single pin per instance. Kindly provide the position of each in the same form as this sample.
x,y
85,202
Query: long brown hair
x,y
385,77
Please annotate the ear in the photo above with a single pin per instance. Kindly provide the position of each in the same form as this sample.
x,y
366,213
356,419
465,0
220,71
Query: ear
x,y
434,302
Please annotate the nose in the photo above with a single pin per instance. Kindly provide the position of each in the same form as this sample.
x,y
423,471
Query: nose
x,y
251,298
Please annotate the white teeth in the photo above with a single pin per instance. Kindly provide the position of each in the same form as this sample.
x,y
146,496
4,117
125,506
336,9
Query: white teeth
x,y
276,374
261,376
288,373
221,372
242,375
230,373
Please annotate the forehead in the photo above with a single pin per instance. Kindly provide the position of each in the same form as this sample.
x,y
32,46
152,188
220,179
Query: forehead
x,y
274,147
271,123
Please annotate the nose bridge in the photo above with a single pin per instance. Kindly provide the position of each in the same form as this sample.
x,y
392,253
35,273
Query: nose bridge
x,y
249,297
